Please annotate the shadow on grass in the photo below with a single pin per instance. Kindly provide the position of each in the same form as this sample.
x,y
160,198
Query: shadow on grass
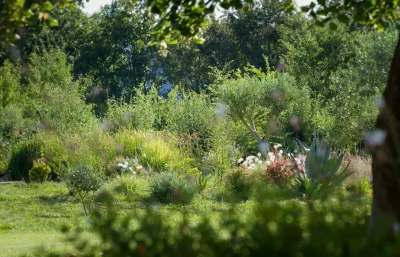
x,y
56,199
50,216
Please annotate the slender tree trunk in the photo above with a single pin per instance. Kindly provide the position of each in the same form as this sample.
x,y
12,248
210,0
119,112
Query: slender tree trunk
x,y
386,157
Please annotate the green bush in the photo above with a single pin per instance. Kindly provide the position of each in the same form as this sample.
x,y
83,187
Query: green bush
x,y
265,105
53,98
167,187
40,171
238,183
22,156
81,182
191,113
55,153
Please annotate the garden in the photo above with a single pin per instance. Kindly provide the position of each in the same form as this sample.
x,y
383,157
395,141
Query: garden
x,y
257,142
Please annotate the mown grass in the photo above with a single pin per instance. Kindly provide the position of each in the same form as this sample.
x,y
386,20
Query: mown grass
x,y
31,216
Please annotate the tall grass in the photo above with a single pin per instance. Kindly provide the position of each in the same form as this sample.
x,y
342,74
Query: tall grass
x,y
156,151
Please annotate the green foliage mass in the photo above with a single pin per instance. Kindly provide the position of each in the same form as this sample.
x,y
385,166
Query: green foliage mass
x,y
40,171
265,104
167,187
238,184
272,227
22,157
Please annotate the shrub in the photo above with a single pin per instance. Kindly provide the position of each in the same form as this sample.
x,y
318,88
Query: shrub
x,y
55,153
81,182
191,113
280,171
124,185
264,104
40,171
22,157
363,186
53,97
238,183
167,187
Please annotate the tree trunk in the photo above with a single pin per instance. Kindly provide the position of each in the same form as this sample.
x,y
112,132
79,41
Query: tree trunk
x,y
386,157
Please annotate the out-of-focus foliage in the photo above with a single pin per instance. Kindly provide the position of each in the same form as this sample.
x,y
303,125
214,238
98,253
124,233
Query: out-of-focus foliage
x,y
17,14
274,228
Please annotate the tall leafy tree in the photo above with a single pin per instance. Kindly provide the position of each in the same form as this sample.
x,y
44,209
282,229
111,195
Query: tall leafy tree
x,y
114,52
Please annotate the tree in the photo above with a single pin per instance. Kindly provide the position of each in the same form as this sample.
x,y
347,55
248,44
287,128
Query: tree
x,y
114,51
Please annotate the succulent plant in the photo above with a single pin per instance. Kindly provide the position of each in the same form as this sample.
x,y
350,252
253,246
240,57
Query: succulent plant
x,y
322,170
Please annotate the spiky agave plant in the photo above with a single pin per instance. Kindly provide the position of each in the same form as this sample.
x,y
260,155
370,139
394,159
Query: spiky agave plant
x,y
322,170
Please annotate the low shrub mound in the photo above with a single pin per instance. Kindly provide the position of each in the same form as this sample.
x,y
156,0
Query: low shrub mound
x,y
237,183
23,155
40,171
167,187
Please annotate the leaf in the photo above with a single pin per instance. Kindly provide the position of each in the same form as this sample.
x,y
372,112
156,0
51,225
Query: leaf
x,y
333,26
52,22
47,6
172,41
154,9
343,18
198,40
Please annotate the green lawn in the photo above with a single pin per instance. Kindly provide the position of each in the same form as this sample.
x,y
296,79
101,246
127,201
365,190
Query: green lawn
x,y
31,216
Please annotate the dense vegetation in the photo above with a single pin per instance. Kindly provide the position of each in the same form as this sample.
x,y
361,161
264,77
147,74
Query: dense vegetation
x,y
198,131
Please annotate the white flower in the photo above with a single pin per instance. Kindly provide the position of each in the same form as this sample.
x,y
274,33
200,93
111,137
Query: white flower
x,y
139,167
120,165
144,155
